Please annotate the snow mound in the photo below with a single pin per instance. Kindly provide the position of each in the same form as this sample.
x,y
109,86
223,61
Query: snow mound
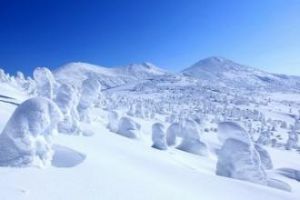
x,y
290,173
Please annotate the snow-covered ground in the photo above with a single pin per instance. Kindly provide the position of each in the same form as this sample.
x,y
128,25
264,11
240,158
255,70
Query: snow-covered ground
x,y
99,163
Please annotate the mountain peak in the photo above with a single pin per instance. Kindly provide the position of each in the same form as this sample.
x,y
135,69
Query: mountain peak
x,y
143,68
216,61
215,65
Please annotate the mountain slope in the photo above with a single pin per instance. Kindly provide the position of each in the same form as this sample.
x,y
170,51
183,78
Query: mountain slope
x,y
109,77
228,73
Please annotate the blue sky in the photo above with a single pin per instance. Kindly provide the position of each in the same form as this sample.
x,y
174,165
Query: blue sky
x,y
169,33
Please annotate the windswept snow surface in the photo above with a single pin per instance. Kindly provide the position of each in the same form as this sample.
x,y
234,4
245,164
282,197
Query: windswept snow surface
x,y
100,163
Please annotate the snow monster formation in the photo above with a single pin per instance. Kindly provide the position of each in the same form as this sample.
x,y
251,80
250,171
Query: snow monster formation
x,y
45,82
67,99
191,142
240,159
90,91
159,137
27,138
265,138
293,139
128,128
172,132
188,130
113,121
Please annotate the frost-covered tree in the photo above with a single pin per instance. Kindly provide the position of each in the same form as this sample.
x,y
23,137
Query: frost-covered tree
x,y
20,79
129,128
27,137
45,82
293,139
232,130
191,139
90,91
67,99
131,111
113,121
159,137
3,76
239,160
264,137
173,131
238,157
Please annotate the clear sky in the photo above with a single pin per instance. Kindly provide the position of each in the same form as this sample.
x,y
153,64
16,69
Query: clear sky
x,y
169,33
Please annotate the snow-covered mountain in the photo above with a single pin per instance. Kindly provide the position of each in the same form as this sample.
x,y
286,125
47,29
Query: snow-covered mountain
x,y
109,77
228,73
212,71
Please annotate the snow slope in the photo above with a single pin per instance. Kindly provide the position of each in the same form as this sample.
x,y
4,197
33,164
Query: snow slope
x,y
109,166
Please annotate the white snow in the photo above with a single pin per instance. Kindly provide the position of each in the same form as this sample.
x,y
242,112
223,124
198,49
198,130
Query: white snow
x,y
255,110
27,137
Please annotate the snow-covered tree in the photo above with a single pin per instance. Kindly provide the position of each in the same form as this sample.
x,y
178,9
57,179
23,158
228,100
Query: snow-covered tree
x,y
264,137
90,91
3,76
67,99
129,128
27,137
191,139
238,157
113,121
293,139
232,130
239,160
159,137
173,131
45,82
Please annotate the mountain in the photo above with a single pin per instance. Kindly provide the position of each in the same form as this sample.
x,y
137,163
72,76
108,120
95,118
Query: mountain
x,y
218,70
212,71
109,77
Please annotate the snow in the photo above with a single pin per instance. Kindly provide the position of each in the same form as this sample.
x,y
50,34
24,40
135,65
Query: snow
x,y
128,128
155,108
26,139
231,74
159,136
45,82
